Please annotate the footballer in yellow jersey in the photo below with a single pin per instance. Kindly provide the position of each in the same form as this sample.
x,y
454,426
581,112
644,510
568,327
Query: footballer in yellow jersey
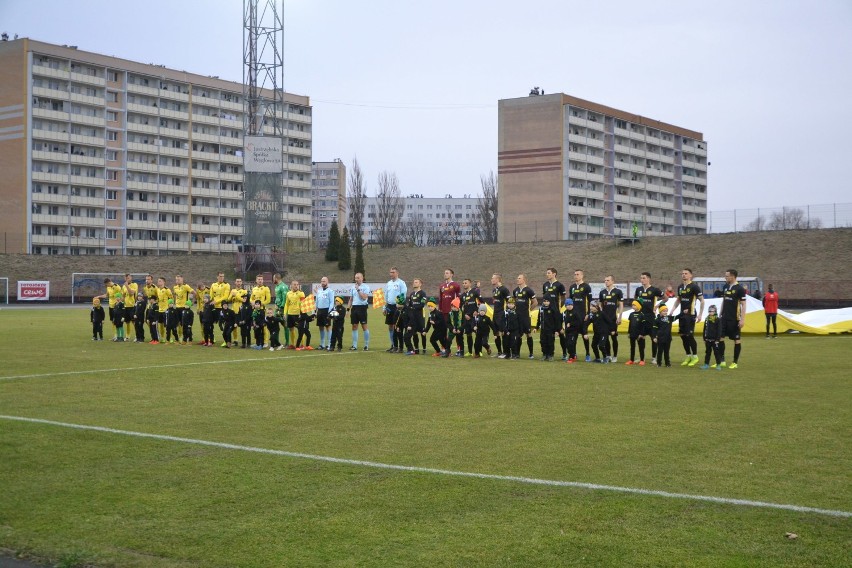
x,y
149,289
112,290
220,291
181,291
164,294
237,296
130,289
260,292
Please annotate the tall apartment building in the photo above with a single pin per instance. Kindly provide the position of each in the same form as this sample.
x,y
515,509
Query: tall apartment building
x,y
328,197
428,221
102,155
572,169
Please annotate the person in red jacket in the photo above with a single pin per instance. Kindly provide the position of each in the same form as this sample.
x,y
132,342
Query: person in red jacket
x,y
770,308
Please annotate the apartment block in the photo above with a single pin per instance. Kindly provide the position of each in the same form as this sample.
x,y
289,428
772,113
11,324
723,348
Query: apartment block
x,y
570,169
102,155
428,221
328,199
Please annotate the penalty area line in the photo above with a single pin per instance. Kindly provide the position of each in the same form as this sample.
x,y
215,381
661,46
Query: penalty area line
x,y
429,470
169,365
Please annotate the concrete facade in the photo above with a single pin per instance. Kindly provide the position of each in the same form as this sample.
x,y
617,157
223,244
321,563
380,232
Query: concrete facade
x,y
571,169
102,155
328,196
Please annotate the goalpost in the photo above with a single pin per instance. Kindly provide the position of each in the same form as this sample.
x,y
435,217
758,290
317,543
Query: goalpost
x,y
4,290
87,285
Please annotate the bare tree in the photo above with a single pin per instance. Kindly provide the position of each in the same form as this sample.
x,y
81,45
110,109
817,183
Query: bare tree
x,y
792,219
758,224
413,231
485,227
357,200
436,235
389,209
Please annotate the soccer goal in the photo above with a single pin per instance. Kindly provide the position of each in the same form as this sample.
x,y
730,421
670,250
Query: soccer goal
x,y
86,285
4,290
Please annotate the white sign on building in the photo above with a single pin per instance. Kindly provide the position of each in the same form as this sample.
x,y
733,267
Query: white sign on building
x,y
263,154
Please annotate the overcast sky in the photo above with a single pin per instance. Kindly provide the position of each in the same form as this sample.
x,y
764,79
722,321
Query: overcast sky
x,y
412,88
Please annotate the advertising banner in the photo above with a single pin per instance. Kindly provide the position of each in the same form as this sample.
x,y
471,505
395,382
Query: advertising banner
x,y
263,154
33,290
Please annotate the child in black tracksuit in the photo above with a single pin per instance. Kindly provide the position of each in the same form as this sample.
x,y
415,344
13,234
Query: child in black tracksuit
x,y
663,336
600,340
338,318
139,318
97,316
415,326
712,337
573,328
303,325
273,324
635,325
187,319
399,325
512,337
152,315
227,320
172,322
208,318
244,321
438,325
118,321
258,324
481,327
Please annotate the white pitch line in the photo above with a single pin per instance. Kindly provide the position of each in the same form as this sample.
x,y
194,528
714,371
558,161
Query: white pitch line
x,y
117,369
494,477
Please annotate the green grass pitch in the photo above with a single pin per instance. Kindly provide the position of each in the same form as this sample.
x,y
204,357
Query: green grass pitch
x,y
775,430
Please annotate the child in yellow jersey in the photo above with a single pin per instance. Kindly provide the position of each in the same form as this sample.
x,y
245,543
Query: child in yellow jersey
x,y
293,309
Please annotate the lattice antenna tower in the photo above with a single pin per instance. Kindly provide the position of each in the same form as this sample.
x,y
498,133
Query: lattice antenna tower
x,y
263,66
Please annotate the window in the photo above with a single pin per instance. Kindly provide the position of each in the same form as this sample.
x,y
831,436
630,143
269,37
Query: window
x,y
111,214
112,195
111,233
112,97
111,155
112,135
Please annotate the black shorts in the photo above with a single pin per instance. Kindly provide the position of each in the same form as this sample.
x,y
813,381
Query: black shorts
x,y
111,314
602,327
730,329
646,327
524,324
687,324
128,313
322,318
390,314
292,320
467,325
358,315
161,317
498,322
416,323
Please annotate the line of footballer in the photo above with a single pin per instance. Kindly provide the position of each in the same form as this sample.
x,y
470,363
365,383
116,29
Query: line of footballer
x,y
458,317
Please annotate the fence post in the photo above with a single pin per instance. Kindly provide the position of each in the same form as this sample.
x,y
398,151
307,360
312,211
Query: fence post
x,y
735,221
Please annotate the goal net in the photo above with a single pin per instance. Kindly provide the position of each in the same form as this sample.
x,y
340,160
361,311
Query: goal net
x,y
4,290
87,285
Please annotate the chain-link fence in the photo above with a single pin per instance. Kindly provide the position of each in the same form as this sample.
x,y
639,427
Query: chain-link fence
x,y
829,216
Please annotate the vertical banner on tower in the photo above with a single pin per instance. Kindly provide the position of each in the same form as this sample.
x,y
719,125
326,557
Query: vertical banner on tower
x,y
263,164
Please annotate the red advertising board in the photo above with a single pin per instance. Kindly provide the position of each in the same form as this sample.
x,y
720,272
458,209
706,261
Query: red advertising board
x,y
30,290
